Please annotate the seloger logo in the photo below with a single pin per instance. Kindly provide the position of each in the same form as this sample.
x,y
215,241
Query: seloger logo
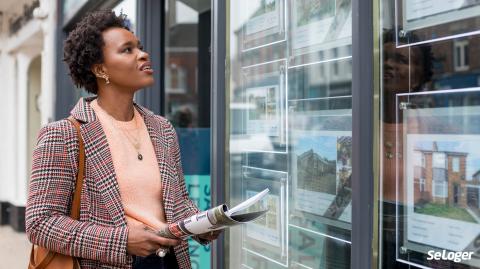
x,y
449,256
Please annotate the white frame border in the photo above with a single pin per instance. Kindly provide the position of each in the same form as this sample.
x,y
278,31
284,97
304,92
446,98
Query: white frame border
x,y
430,24
474,89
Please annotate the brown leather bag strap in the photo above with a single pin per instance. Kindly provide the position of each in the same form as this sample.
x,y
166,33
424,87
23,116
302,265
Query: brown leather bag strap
x,y
75,210
44,263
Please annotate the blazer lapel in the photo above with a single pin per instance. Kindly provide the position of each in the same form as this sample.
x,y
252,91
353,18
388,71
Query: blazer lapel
x,y
99,158
160,145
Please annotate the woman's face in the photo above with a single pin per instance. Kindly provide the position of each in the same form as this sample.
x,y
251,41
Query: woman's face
x,y
126,64
399,71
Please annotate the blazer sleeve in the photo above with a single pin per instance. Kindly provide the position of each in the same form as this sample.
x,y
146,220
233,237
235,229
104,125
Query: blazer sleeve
x,y
50,194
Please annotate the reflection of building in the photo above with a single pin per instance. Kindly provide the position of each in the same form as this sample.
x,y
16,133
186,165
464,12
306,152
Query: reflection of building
x,y
453,65
440,176
316,173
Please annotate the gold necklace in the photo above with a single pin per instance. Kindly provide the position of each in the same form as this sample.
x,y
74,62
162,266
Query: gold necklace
x,y
136,140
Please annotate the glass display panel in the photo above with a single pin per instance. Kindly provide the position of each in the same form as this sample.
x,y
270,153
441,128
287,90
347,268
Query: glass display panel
x,y
186,99
421,21
187,63
290,130
440,193
429,134
266,237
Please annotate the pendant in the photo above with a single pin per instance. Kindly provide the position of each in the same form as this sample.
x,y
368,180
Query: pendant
x,y
139,156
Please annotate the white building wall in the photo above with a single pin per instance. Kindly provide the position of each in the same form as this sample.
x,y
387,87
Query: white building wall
x,y
35,38
47,100
22,171
8,117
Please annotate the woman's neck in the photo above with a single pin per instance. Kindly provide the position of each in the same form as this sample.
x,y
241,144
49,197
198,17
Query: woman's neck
x,y
118,105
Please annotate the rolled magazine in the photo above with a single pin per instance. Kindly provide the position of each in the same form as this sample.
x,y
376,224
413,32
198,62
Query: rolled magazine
x,y
217,218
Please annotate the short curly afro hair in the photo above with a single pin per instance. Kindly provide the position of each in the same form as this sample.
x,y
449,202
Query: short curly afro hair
x,y
83,46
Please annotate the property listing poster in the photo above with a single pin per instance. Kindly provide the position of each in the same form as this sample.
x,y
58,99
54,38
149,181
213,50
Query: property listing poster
x,y
321,171
265,24
265,16
263,110
419,14
443,188
320,24
263,106
416,9
438,173
267,227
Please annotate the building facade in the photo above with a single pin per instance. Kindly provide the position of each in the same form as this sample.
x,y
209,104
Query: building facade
x,y
27,38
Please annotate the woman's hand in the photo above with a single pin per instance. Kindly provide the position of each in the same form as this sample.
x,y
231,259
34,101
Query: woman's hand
x,y
142,242
210,236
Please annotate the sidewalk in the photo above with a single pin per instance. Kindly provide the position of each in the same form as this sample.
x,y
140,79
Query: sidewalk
x,y
14,249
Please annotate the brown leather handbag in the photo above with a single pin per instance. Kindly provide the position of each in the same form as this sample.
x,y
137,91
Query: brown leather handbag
x,y
42,258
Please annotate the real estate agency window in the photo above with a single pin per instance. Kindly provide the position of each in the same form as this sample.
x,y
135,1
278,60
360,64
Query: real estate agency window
x,y
290,130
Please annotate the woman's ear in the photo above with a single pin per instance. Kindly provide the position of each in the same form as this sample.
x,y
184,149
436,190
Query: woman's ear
x,y
98,70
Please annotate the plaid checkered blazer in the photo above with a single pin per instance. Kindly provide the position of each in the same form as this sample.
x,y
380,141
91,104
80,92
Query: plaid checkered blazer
x,y
99,238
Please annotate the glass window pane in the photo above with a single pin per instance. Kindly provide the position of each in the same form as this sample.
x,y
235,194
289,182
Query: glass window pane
x,y
430,110
290,130
186,81
456,164
129,8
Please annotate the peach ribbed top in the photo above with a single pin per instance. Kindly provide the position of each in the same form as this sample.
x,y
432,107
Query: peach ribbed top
x,y
138,180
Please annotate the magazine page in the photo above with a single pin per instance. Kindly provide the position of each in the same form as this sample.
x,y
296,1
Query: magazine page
x,y
217,218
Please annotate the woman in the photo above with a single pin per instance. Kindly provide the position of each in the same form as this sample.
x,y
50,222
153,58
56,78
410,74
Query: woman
x,y
133,180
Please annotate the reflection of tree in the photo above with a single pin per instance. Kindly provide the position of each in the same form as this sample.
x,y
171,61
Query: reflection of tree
x,y
268,5
265,7
344,150
344,175
314,10
341,201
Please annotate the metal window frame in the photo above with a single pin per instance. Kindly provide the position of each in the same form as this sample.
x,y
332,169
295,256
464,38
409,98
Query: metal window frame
x,y
362,134
151,30
218,119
